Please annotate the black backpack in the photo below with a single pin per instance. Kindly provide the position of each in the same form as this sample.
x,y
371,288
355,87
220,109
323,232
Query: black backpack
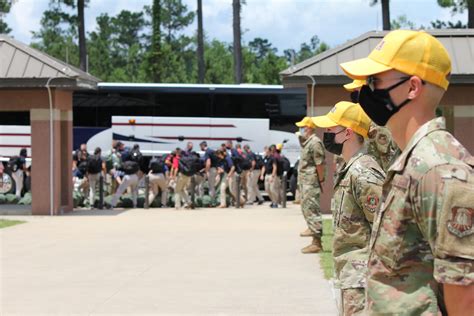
x,y
136,155
259,163
94,164
157,165
283,165
130,167
241,163
14,163
189,165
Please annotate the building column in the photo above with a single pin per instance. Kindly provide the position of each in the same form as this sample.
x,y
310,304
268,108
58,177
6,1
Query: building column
x,y
67,186
40,167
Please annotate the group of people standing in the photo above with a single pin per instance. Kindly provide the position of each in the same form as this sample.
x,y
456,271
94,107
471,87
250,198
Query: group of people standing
x,y
402,214
229,175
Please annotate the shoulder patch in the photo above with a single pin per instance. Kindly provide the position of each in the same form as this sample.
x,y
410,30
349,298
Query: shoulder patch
x,y
372,202
461,220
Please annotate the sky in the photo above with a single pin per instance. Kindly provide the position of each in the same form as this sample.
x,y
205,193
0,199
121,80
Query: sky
x,y
285,23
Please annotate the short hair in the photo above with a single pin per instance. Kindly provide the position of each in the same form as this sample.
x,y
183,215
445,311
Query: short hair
x,y
203,143
97,151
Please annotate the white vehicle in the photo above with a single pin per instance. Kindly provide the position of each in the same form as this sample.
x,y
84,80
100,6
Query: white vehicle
x,y
159,135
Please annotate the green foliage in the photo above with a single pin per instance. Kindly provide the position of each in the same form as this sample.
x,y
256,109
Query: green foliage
x,y
7,223
447,25
402,22
5,6
326,259
149,46
457,6
306,50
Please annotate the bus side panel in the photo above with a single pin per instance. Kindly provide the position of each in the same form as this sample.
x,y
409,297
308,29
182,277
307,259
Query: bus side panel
x,y
253,132
13,138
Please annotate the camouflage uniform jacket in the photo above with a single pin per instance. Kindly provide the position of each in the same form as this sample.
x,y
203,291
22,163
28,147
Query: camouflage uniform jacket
x,y
381,146
424,233
312,154
358,189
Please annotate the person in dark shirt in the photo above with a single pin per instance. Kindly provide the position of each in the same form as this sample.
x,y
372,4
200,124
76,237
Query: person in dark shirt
x,y
269,175
226,169
210,163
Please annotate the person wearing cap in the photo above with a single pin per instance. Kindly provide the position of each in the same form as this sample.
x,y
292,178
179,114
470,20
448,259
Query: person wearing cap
x,y
310,176
422,254
357,193
381,145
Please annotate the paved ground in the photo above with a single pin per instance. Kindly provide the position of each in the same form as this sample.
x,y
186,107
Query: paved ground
x,y
152,262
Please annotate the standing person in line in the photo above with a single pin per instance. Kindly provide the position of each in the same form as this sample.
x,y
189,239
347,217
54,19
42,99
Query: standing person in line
x,y
211,162
269,175
158,181
131,168
236,159
357,192
381,145
311,171
18,166
225,169
182,181
189,149
253,175
95,167
79,162
422,255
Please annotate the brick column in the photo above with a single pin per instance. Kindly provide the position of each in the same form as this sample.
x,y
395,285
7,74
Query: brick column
x,y
40,167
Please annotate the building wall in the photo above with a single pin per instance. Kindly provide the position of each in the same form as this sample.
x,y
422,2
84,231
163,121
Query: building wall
x,y
457,105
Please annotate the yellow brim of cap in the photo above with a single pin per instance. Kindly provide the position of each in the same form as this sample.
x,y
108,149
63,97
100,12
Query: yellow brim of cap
x,y
364,67
300,124
323,121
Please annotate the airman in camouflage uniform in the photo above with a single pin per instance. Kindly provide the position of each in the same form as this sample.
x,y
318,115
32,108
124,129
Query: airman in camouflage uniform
x,y
422,253
357,191
381,146
309,179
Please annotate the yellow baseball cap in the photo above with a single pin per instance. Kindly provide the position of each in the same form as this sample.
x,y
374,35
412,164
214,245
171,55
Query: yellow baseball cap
x,y
415,53
354,85
279,146
345,114
306,122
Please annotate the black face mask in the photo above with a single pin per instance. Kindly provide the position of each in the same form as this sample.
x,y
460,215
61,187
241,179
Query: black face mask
x,y
355,96
329,141
378,104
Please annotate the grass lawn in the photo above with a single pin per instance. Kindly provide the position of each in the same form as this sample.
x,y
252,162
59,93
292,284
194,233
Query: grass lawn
x,y
327,263
6,223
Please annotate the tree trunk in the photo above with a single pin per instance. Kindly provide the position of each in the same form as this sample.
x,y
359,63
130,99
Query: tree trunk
x,y
470,14
156,42
386,15
200,42
82,36
237,42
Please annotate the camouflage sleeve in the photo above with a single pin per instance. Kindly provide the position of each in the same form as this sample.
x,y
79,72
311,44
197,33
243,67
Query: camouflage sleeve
x,y
318,153
445,213
368,191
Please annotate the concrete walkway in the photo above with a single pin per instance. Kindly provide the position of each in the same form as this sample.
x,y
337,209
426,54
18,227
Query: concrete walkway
x,y
162,262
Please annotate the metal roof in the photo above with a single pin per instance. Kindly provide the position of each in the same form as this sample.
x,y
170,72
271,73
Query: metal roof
x,y
24,66
325,69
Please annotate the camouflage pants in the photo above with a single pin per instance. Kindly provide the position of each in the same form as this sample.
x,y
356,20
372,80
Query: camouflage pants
x,y
353,301
310,207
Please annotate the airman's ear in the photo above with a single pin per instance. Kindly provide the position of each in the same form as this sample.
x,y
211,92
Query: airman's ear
x,y
416,87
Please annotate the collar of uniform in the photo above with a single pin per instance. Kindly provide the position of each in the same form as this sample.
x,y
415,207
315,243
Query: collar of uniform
x,y
425,129
309,139
357,155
